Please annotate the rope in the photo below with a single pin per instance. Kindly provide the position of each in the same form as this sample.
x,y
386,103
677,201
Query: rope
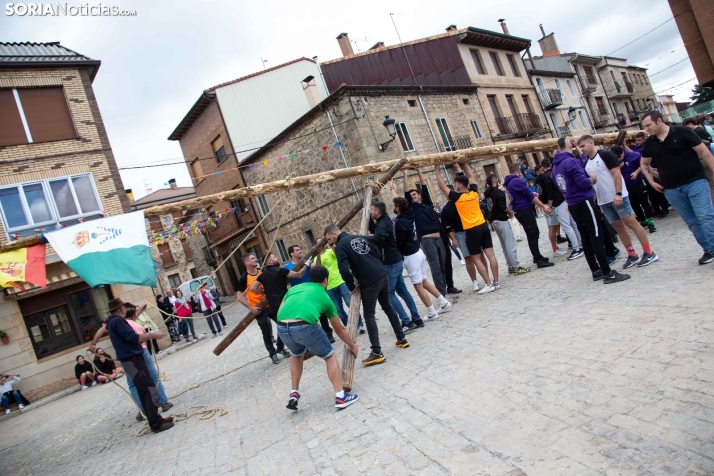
x,y
376,186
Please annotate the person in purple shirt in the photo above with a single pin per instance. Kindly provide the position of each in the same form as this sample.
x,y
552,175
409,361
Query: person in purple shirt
x,y
577,187
522,200
636,186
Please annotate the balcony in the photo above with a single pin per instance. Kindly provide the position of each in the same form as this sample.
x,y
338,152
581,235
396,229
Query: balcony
x,y
634,116
458,143
621,119
563,131
519,125
588,84
601,117
550,98
630,87
621,91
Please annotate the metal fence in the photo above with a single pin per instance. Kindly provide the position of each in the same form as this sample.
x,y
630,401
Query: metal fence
x,y
704,108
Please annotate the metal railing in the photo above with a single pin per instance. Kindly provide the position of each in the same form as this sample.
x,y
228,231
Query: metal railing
x,y
550,98
588,83
630,87
634,116
519,124
563,131
601,117
457,143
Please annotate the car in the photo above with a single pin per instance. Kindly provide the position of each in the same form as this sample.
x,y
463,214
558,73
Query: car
x,y
187,288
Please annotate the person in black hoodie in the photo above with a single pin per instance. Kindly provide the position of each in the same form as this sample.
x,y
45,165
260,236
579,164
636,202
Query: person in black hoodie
x,y
381,230
358,257
497,214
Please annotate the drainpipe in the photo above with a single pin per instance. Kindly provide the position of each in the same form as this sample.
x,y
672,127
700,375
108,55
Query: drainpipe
x,y
431,131
342,152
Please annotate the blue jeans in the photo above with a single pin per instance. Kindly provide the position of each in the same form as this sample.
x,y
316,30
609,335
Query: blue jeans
x,y
397,286
154,376
693,202
339,294
6,402
298,337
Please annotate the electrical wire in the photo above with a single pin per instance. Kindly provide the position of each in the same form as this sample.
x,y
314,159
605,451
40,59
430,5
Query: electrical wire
x,y
639,37
665,69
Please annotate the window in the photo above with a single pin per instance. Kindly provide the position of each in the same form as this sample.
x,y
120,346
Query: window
x,y
571,88
282,251
186,249
574,125
156,225
310,237
196,168
404,137
174,281
445,133
514,67
262,204
476,56
219,150
65,318
34,115
582,119
527,103
46,204
559,86
411,102
644,78
194,273
465,101
167,257
496,63
477,131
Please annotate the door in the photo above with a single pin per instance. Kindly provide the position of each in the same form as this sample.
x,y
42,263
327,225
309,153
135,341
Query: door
x,y
514,112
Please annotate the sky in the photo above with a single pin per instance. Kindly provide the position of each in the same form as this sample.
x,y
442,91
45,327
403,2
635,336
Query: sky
x,y
156,64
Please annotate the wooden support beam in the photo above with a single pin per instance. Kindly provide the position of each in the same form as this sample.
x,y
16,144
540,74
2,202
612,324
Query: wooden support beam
x,y
317,248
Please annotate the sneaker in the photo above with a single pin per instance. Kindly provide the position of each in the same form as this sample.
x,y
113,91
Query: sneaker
x,y
615,277
374,359
20,406
94,383
453,290
220,333
285,353
7,411
597,275
164,426
139,417
706,258
496,285
215,335
575,254
559,239
431,317
462,261
613,258
560,252
511,270
331,339
188,341
402,343
362,330
419,324
615,239
446,307
651,228
166,406
487,289
521,270
647,258
345,401
84,387
477,286
411,327
544,264
275,358
631,261
293,401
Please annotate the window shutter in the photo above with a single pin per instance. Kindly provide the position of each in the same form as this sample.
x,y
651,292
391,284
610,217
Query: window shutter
x,y
12,131
47,114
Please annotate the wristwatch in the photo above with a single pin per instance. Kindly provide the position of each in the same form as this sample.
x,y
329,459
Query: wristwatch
x,y
618,193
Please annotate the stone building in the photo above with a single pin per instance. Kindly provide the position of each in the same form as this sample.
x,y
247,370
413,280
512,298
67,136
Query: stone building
x,y
173,257
359,113
56,169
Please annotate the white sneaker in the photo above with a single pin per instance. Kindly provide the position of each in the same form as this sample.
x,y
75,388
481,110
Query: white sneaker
x,y
487,289
462,261
477,286
94,383
496,285
84,387
21,406
431,317
560,252
445,307
7,411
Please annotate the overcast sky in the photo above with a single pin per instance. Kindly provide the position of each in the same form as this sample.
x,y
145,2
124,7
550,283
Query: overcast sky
x,y
155,64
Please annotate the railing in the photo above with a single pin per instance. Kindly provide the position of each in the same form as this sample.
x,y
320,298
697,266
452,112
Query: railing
x,y
601,117
457,143
623,90
703,108
621,119
563,131
520,124
634,116
588,83
550,98
630,87
506,125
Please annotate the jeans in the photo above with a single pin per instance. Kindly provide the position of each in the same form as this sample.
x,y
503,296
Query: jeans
x,y
137,371
220,314
299,337
508,242
436,256
154,376
212,320
693,202
187,324
397,286
379,291
266,329
6,402
339,294
528,221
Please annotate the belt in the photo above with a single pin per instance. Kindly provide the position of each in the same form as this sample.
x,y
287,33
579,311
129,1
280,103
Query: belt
x,y
293,323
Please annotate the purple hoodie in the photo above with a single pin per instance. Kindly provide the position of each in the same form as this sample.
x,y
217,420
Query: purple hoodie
x,y
571,178
629,165
521,195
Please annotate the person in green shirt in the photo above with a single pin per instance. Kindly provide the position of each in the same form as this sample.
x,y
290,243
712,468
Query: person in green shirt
x,y
336,287
298,328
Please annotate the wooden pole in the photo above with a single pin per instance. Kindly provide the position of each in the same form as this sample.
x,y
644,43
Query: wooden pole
x,y
317,248
348,358
340,174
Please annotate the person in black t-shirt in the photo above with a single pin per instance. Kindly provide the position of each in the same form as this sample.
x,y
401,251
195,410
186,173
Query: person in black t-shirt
x,y
677,150
275,287
84,372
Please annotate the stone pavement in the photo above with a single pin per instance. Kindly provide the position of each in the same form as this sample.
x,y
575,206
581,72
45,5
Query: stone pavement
x,y
551,375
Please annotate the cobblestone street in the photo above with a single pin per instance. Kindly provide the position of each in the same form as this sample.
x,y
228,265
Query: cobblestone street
x,y
551,375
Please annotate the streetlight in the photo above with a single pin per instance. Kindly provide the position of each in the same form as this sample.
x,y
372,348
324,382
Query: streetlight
x,y
390,125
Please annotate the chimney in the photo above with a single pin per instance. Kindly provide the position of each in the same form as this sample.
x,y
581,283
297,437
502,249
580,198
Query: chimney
x,y
541,29
548,46
311,91
502,21
379,44
129,194
345,44
172,183
451,28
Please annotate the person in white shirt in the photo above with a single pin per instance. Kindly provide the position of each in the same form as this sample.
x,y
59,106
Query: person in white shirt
x,y
6,383
603,166
170,296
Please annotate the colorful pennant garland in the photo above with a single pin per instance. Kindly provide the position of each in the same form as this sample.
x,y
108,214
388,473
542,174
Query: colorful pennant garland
x,y
180,232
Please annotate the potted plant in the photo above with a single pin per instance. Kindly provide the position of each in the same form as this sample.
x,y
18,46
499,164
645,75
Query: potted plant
x,y
4,338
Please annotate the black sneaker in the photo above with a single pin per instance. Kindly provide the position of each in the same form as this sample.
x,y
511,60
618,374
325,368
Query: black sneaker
x,y
401,343
362,330
613,258
615,277
419,324
331,339
559,239
293,401
597,275
374,359
166,406
651,228
286,353
631,261
275,358
575,254
411,327
706,258
453,290
544,264
647,258
163,427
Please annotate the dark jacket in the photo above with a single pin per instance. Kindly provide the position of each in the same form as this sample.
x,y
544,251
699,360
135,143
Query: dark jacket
x,y
552,192
383,236
571,178
405,230
521,195
450,219
496,201
541,188
358,257
424,215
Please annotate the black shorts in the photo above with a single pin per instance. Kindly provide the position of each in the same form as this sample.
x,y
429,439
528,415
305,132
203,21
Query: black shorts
x,y
478,238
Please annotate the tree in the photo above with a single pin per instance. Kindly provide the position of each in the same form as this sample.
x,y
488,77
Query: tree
x,y
701,94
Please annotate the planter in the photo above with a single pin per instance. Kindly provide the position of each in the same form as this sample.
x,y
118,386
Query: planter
x,y
5,340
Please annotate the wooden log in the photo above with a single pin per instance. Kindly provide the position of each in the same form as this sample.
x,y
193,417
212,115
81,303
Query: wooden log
x,y
316,248
348,358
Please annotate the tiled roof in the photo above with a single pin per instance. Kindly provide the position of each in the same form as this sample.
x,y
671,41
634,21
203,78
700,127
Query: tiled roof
x,y
30,54
162,195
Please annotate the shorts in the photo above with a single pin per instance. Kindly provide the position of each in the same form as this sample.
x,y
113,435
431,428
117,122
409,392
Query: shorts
x,y
416,267
478,238
613,213
299,337
79,380
552,220
461,237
